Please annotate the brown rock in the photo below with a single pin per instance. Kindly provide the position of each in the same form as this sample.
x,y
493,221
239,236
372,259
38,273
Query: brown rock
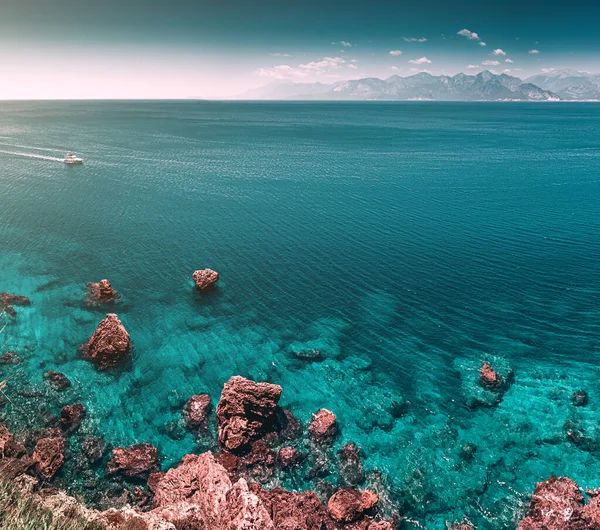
x,y
384,525
9,446
57,380
289,457
488,377
101,293
11,468
196,411
93,448
137,461
323,427
71,416
7,301
350,465
110,343
154,479
9,357
246,411
205,278
49,455
348,505
463,525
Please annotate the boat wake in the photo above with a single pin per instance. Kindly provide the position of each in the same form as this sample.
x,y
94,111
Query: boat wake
x,y
32,155
51,150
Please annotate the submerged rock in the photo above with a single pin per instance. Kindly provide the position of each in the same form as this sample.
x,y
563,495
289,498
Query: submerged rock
x,y
49,456
9,357
580,398
71,417
59,381
289,457
110,343
205,278
309,355
348,505
101,293
196,411
9,446
488,377
137,461
93,448
323,428
246,411
350,466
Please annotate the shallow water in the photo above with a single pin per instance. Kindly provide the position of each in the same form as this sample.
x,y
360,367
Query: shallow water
x,y
406,241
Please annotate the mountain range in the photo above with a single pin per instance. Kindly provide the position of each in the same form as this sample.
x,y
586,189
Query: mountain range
x,y
555,85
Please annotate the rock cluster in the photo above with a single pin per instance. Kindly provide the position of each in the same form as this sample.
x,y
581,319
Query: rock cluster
x,y
196,411
101,293
136,462
205,278
323,427
109,344
7,301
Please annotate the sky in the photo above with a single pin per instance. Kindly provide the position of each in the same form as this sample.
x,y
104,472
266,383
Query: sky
x,y
63,49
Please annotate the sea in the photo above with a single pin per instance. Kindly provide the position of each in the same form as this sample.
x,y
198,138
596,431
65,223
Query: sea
x,y
407,242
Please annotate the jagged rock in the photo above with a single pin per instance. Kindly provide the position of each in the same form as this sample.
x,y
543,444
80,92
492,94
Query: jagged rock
x,y
101,293
49,455
57,380
71,417
9,446
463,525
153,480
323,428
309,355
110,343
256,464
11,468
488,377
348,505
246,411
289,457
287,426
384,525
556,504
196,411
205,278
580,398
93,448
9,357
137,461
350,466
7,301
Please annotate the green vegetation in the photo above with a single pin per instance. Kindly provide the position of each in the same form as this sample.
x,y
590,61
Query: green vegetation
x,y
19,511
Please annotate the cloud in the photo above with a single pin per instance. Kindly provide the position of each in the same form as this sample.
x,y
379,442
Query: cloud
x,y
547,70
421,60
508,61
395,53
506,71
534,52
482,43
472,66
395,68
499,52
345,44
415,39
285,71
418,70
353,66
280,55
490,63
471,35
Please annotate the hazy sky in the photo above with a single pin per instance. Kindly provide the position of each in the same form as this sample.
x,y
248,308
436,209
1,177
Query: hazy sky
x,y
181,48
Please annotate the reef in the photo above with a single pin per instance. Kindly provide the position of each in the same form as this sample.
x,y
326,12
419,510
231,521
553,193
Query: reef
x,y
8,301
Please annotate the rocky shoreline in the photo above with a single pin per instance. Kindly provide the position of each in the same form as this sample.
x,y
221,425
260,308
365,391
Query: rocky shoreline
x,y
253,442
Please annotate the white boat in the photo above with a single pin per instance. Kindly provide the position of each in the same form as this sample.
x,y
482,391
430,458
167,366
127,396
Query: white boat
x,y
70,158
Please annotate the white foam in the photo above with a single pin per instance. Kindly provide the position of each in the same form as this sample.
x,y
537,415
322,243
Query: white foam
x,y
32,155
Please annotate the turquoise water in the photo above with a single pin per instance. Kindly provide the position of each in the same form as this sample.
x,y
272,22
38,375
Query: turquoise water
x,y
406,241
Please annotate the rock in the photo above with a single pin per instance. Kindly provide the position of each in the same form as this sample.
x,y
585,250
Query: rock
x,y
348,505
384,525
310,355
257,464
9,446
196,411
556,504
287,426
580,398
462,525
153,480
294,511
9,357
110,343
350,466
205,278
246,411
467,451
7,301
136,462
57,380
289,457
101,293
11,468
488,377
93,448
49,455
71,416
323,427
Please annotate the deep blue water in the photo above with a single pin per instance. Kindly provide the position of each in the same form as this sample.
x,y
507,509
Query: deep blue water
x,y
406,241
